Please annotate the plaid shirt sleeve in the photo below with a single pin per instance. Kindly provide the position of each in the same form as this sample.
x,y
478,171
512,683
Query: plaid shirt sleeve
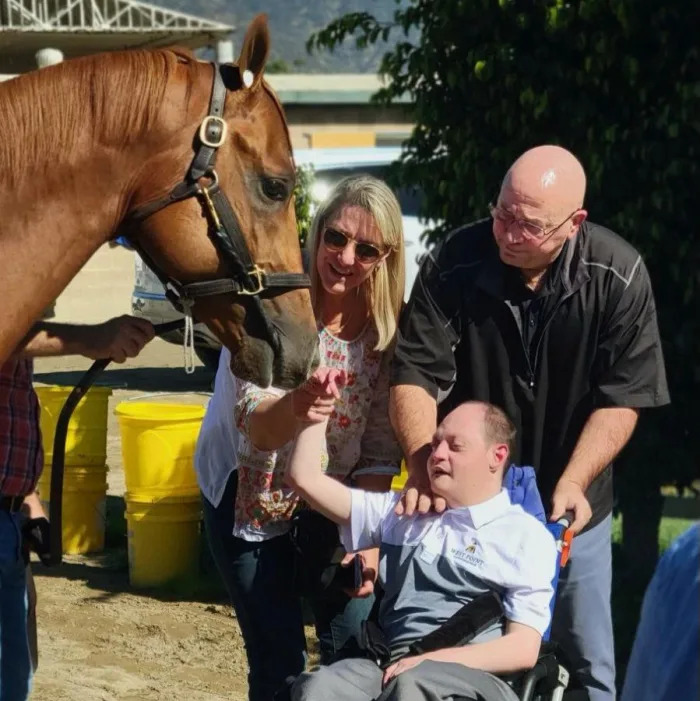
x,y
21,454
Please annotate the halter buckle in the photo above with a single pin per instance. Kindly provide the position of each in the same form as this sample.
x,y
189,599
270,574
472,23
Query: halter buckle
x,y
256,274
206,123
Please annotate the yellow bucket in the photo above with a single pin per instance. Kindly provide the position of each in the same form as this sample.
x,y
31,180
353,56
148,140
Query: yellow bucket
x,y
158,442
86,438
84,501
163,538
397,484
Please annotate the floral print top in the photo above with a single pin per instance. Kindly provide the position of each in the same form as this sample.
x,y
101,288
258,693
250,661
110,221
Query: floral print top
x,y
359,439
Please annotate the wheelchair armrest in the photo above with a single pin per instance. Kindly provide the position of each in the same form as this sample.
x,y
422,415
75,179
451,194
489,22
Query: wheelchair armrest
x,y
547,668
549,674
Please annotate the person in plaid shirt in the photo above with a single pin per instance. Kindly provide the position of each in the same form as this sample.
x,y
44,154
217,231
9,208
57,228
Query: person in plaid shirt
x,y
21,458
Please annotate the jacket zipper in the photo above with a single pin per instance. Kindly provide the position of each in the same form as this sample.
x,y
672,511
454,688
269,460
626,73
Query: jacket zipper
x,y
530,373
526,352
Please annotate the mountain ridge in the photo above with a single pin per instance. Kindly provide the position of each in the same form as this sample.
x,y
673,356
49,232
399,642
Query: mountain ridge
x,y
291,24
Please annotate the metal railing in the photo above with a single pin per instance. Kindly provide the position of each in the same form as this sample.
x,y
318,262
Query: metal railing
x,y
97,16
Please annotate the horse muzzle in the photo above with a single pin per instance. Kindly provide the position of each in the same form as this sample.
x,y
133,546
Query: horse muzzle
x,y
282,354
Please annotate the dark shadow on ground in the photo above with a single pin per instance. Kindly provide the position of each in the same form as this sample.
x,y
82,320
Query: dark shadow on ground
x,y
143,379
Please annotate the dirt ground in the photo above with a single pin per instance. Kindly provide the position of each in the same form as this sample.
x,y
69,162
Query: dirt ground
x,y
99,639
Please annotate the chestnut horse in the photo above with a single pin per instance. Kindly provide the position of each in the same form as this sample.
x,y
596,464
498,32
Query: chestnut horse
x,y
192,162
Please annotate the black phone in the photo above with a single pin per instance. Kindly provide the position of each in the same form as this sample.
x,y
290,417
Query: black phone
x,y
350,576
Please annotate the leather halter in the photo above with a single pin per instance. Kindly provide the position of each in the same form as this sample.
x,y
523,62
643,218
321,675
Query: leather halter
x,y
247,278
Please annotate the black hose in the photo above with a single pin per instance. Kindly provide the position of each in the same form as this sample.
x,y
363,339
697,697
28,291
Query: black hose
x,y
59,446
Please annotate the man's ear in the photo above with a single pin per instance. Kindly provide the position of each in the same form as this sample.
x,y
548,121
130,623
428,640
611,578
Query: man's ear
x,y
498,454
580,217
577,220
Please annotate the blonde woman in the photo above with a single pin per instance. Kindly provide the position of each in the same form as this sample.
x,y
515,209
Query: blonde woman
x,y
357,264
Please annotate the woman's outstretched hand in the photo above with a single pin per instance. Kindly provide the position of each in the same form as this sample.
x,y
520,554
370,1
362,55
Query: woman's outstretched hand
x,y
313,401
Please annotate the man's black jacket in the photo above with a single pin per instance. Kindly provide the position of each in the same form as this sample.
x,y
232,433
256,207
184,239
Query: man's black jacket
x,y
593,342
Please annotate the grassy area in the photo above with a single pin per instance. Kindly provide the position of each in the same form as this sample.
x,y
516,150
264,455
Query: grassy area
x,y
670,528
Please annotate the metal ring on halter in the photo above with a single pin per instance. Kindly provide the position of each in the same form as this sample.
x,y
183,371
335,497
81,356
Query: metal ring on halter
x,y
213,176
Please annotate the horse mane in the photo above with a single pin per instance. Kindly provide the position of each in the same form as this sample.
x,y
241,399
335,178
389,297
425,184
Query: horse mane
x,y
113,98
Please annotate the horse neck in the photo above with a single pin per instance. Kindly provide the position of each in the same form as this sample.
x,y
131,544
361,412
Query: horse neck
x,y
57,212
43,244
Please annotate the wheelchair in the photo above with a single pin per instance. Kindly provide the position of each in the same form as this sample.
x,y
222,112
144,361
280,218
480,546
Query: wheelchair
x,y
549,679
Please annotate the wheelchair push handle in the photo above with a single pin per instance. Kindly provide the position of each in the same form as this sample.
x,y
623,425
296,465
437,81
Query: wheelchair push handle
x,y
567,519
567,535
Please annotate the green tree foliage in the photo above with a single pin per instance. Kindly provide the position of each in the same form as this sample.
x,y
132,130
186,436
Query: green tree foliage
x,y
303,201
615,81
277,65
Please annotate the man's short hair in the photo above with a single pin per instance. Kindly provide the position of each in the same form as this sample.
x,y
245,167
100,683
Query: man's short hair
x,y
498,427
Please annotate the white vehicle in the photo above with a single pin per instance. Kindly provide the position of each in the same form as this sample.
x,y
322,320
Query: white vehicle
x,y
329,165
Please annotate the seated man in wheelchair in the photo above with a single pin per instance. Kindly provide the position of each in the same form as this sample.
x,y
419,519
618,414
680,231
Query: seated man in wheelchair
x,y
434,565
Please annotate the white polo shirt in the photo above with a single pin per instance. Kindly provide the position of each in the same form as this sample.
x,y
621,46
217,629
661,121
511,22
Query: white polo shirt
x,y
432,565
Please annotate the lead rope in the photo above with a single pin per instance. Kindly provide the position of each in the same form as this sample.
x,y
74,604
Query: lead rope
x,y
188,339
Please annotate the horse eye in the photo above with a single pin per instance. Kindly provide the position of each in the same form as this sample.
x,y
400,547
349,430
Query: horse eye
x,y
274,189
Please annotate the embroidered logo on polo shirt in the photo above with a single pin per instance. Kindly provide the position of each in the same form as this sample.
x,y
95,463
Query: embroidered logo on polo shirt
x,y
469,554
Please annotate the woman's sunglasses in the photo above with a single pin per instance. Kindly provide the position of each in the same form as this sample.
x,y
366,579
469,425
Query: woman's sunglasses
x,y
335,240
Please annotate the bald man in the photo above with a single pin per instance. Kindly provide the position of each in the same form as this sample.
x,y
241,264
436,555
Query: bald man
x,y
551,317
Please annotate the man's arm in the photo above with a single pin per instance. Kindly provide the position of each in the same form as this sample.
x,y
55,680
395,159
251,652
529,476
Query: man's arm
x,y
604,435
413,415
36,532
628,368
118,339
33,506
629,376
515,651
305,475
423,364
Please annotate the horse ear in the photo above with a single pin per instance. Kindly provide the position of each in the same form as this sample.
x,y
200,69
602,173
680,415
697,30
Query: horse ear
x,y
256,47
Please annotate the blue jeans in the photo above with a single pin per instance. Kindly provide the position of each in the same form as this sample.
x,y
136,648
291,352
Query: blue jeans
x,y
582,621
258,577
15,662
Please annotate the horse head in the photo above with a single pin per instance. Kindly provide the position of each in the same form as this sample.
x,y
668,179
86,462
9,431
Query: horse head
x,y
211,210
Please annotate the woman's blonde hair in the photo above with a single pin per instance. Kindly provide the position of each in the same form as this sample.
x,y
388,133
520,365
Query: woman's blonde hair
x,y
385,287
